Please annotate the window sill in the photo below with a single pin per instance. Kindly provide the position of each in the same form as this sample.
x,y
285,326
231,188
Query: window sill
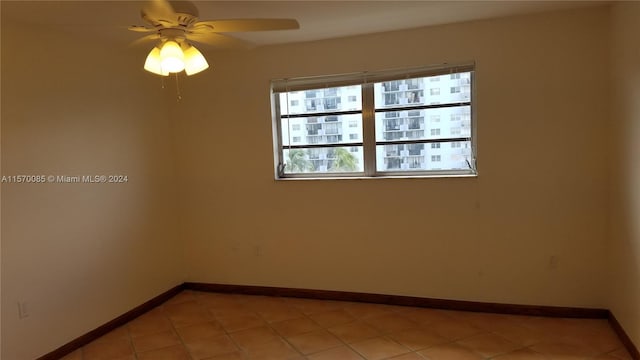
x,y
422,176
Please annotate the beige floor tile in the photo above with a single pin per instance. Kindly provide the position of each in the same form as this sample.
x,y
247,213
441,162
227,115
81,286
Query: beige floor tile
x,y
449,352
279,314
390,323
522,354
107,350
273,350
332,318
149,323
155,341
489,345
231,356
355,331
379,348
365,310
454,329
254,337
312,306
294,327
521,335
339,353
261,303
489,321
199,331
418,339
558,350
240,321
409,356
219,301
314,341
208,347
176,352
187,313
425,316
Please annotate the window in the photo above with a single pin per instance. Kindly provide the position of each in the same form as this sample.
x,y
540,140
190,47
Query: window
x,y
415,149
385,118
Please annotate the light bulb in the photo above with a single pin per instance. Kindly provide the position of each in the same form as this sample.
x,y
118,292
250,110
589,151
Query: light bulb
x,y
171,57
152,64
194,62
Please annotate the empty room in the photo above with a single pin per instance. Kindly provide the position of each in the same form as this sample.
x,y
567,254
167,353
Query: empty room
x,y
357,180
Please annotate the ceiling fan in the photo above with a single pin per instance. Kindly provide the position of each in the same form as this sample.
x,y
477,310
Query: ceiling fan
x,y
174,24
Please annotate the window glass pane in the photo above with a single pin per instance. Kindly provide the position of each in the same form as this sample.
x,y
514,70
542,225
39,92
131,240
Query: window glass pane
x,y
321,100
334,129
422,125
443,89
411,125
323,160
423,157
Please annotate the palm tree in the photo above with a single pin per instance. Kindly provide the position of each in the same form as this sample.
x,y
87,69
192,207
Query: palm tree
x,y
344,161
297,162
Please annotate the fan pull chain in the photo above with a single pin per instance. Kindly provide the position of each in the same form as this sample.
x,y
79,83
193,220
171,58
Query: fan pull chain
x,y
178,95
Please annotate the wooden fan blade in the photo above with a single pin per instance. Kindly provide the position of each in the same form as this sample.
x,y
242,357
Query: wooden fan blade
x,y
138,28
219,40
241,25
145,39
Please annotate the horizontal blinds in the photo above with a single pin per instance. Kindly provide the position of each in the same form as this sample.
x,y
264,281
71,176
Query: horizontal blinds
x,y
328,81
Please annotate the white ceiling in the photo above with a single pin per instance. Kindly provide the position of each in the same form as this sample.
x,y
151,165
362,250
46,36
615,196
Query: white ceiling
x,y
108,20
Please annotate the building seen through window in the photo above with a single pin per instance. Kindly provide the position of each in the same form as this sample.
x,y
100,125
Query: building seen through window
x,y
321,130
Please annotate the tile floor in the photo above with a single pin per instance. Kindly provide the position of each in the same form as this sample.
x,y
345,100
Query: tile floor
x,y
198,325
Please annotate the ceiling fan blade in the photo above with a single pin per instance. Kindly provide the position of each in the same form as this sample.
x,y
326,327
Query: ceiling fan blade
x,y
138,28
145,39
219,40
240,25
159,12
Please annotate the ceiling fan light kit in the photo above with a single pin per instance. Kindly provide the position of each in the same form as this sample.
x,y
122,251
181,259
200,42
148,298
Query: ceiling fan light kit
x,y
175,24
194,61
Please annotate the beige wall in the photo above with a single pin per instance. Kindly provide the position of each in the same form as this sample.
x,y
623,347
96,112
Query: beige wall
x,y
80,254
624,284
541,112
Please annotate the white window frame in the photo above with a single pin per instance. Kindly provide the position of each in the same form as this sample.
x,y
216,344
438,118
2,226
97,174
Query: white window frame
x,y
366,80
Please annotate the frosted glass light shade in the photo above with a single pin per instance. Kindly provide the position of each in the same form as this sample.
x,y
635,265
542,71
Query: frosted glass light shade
x,y
152,64
194,62
171,57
